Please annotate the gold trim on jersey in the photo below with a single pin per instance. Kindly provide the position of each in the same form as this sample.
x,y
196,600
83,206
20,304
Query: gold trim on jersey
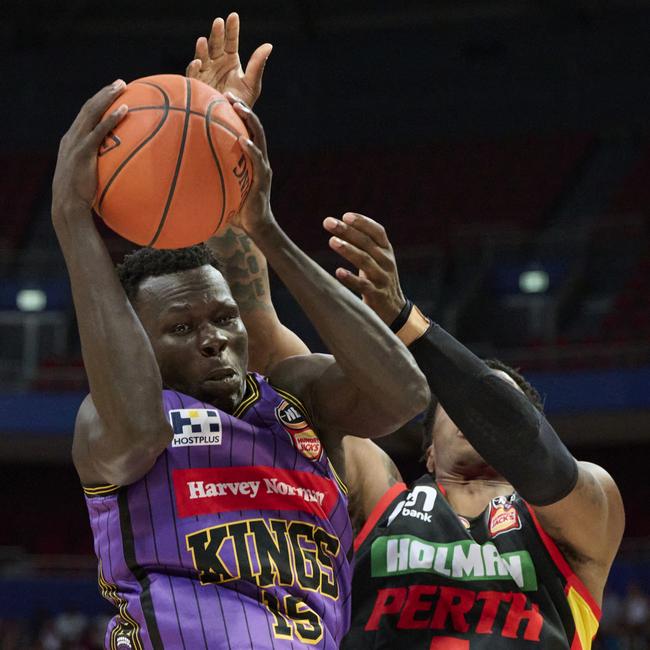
x,y
251,395
294,401
339,480
585,620
100,490
109,592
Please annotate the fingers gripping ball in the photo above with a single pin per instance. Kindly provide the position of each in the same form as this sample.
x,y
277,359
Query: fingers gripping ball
x,y
172,173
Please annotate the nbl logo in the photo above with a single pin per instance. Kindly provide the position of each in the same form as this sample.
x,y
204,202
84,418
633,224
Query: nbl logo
x,y
303,438
194,427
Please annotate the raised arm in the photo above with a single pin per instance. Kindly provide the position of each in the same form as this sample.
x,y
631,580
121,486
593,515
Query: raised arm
x,y
352,392
217,63
577,503
121,428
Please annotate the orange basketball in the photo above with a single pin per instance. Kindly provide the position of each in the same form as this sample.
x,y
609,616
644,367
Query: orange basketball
x,y
172,173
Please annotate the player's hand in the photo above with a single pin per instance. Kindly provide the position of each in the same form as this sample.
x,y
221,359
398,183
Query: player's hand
x,y
364,243
216,62
75,176
255,211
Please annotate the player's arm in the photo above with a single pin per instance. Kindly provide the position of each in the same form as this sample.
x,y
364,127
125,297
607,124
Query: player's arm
x,y
577,503
245,269
369,474
121,428
217,63
352,393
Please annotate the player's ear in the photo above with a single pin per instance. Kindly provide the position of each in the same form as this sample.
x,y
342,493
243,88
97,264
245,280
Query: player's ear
x,y
430,458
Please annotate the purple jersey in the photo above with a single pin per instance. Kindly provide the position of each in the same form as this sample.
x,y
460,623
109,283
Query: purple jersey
x,y
238,537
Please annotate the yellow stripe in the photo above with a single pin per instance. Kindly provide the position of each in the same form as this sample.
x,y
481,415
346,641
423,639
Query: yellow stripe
x,y
109,591
293,399
100,489
339,480
585,620
251,399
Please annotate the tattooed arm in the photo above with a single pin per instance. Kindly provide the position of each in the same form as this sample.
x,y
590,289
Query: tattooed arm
x,y
369,474
245,269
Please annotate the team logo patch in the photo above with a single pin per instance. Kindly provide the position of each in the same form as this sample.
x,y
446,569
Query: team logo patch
x,y
302,435
464,522
193,427
111,141
503,516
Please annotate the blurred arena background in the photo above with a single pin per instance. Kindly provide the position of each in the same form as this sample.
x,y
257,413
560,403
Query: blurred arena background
x,y
505,146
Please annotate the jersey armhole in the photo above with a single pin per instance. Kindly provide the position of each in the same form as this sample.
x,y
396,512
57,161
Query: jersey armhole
x,y
377,512
560,562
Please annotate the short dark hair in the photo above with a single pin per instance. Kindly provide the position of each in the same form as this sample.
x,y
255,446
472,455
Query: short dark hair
x,y
152,262
495,364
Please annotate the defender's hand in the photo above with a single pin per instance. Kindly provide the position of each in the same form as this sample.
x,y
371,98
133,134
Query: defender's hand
x,y
216,62
75,176
255,212
364,243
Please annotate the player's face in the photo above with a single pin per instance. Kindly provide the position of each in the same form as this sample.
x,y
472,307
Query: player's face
x,y
197,335
450,450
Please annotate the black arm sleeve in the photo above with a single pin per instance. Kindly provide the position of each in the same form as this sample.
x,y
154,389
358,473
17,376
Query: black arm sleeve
x,y
497,419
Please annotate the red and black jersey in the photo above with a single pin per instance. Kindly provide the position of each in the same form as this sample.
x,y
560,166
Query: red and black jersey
x,y
427,578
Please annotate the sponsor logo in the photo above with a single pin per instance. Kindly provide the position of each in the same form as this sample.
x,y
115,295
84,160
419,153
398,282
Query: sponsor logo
x,y
240,170
123,642
111,141
222,489
418,504
503,516
464,522
302,435
463,560
194,427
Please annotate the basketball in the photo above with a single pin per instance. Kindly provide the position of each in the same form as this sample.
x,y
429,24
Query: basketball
x,y
172,172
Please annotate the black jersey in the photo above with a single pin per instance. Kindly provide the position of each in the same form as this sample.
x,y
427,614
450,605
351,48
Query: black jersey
x,y
427,578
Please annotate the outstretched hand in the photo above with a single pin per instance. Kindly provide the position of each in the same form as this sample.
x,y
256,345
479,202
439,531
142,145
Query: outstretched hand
x,y
216,62
255,211
364,243
75,176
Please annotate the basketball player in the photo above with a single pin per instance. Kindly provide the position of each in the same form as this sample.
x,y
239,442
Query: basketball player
x,y
519,537
218,519
507,541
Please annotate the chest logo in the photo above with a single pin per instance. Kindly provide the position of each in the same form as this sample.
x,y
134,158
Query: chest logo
x,y
195,427
503,516
302,436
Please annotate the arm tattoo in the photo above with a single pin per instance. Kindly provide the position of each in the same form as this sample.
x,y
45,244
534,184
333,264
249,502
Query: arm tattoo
x,y
392,473
244,267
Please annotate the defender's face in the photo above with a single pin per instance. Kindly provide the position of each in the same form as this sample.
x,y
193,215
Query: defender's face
x,y
197,335
450,449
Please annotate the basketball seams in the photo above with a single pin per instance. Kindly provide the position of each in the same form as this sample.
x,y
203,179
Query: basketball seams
x,y
208,133
160,225
125,162
172,188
